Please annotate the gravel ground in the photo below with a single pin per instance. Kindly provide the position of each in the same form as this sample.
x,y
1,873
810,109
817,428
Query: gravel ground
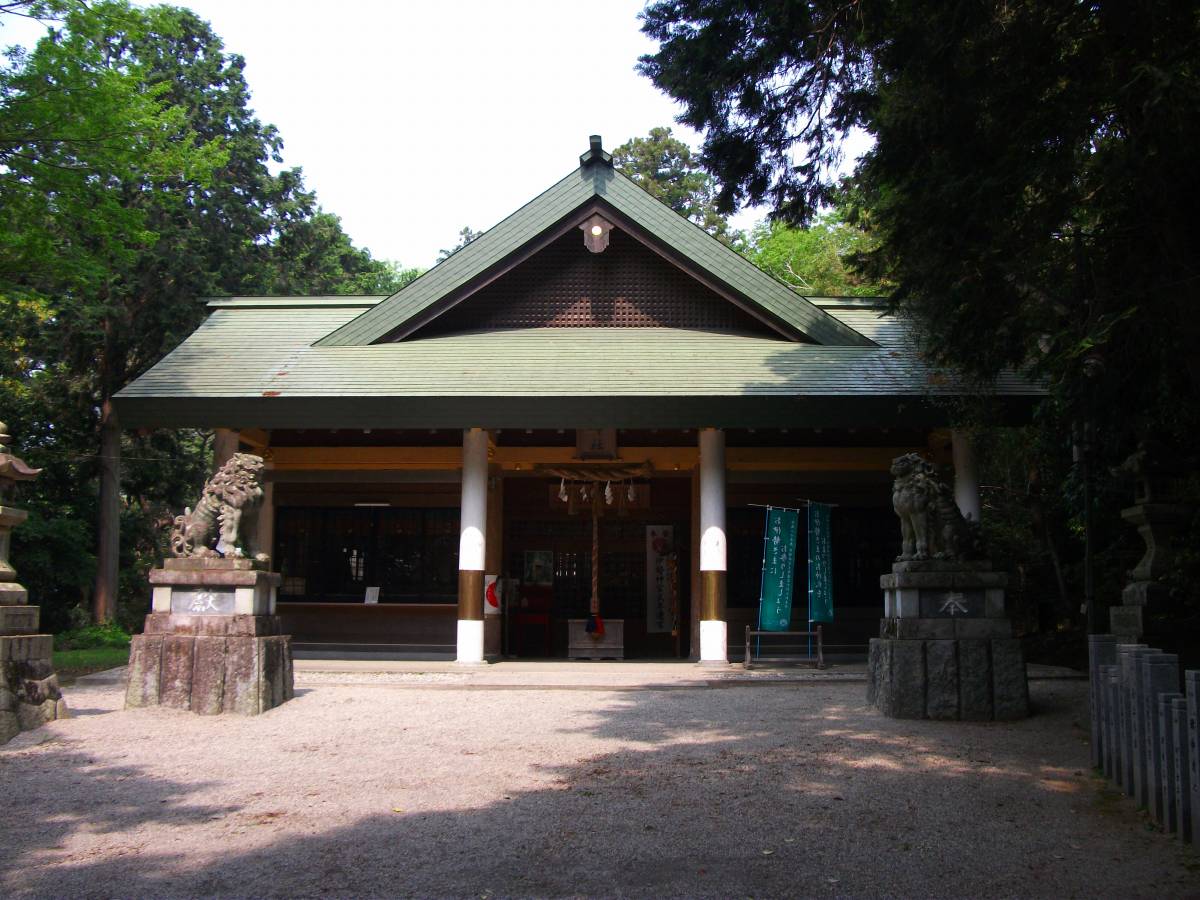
x,y
433,790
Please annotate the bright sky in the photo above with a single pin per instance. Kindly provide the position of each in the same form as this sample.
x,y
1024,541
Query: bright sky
x,y
413,119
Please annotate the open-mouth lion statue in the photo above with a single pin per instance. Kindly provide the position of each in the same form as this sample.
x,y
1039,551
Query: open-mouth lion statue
x,y
931,526
212,528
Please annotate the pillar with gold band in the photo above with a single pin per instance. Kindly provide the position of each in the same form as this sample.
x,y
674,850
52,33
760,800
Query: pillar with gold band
x,y
471,546
713,548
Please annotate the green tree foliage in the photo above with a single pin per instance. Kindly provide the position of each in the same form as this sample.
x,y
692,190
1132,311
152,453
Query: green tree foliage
x,y
315,256
1032,181
665,168
465,237
1032,185
134,182
817,260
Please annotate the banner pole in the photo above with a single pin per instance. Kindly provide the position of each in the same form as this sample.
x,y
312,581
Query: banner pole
x,y
762,578
808,576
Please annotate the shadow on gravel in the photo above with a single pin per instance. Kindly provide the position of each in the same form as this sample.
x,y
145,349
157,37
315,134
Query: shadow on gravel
x,y
83,711
46,789
711,799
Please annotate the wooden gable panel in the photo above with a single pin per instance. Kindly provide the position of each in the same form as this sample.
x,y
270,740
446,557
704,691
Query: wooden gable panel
x,y
566,286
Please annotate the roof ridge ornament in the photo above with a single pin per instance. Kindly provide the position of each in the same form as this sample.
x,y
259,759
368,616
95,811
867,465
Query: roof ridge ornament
x,y
595,153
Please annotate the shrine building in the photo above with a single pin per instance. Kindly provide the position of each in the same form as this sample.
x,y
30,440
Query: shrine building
x,y
594,378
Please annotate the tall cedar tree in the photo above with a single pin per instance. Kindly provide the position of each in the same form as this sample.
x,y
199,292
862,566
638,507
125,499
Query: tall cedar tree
x,y
1033,179
136,184
1032,187
664,167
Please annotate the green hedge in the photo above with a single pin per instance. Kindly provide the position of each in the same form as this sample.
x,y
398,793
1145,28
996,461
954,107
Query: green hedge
x,y
92,637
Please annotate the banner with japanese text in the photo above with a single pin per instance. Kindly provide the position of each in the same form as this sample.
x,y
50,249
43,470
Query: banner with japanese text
x,y
660,587
779,563
820,564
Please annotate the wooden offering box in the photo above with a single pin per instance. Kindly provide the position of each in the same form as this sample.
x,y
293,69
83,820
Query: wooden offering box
x,y
610,645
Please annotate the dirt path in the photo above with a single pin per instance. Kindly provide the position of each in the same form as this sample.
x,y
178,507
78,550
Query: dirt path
x,y
404,790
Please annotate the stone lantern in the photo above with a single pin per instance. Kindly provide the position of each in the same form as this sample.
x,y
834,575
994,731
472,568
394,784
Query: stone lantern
x,y
29,692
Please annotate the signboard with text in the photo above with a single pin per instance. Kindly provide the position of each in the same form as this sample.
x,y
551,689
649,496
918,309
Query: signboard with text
x,y
820,564
660,602
778,574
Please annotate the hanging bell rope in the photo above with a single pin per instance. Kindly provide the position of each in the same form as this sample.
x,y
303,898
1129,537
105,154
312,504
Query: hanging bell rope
x,y
594,606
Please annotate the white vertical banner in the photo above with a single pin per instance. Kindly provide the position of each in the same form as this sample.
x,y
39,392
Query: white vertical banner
x,y
660,605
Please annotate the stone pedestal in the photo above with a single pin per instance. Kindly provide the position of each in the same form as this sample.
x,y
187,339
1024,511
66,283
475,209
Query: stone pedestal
x,y
946,649
212,643
29,693
1145,595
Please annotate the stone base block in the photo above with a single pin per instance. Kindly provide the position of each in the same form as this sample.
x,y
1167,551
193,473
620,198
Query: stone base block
x,y
213,587
966,679
26,647
29,692
213,626
211,664
1138,616
1126,623
19,619
12,594
944,628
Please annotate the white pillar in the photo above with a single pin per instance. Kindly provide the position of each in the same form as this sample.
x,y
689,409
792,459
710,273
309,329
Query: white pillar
x,y
966,480
713,548
471,546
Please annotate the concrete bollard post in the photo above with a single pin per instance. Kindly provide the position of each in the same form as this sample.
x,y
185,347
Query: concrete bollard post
x,y
1166,757
1112,727
1102,651
1183,788
1191,681
1160,674
1137,691
1126,661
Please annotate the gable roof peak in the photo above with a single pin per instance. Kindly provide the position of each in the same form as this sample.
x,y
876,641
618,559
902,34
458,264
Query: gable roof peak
x,y
596,186
595,154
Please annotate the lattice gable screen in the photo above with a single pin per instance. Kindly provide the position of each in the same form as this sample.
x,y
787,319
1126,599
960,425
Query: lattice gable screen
x,y
626,286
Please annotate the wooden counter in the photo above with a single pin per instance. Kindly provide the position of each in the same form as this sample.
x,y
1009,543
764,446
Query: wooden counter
x,y
370,623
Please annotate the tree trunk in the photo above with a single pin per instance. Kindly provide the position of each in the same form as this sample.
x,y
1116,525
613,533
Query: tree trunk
x,y
1037,515
108,529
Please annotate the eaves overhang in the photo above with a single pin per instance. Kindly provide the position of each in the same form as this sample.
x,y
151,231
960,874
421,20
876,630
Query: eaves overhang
x,y
825,411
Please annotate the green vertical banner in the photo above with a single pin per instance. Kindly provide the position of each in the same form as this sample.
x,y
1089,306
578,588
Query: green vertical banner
x,y
820,564
778,572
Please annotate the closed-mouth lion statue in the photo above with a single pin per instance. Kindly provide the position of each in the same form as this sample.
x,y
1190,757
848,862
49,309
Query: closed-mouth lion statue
x,y
931,526
212,528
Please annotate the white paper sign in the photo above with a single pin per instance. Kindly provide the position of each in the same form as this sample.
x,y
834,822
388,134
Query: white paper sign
x,y
372,595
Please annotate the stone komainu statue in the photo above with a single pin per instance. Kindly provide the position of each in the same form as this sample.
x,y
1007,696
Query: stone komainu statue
x,y
226,504
931,526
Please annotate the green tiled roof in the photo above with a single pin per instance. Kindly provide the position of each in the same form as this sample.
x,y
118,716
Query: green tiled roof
x,y
256,363
565,205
